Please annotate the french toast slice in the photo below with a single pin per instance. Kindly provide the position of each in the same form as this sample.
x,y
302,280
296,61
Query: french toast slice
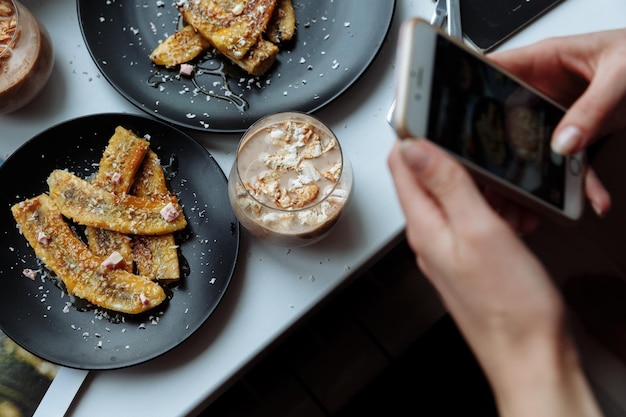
x,y
180,47
155,257
282,25
89,205
259,59
232,26
235,28
82,271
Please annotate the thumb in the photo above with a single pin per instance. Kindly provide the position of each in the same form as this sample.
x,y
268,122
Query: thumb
x,y
444,179
594,114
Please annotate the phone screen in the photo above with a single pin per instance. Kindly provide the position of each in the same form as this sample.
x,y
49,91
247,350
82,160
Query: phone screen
x,y
495,123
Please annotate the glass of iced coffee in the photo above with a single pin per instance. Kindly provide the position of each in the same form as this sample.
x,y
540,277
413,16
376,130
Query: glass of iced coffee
x,y
290,181
26,56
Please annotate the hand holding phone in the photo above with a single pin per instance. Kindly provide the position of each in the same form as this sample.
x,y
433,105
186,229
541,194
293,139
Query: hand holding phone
x,y
496,125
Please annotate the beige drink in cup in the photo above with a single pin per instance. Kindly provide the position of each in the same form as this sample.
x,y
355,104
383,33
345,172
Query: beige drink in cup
x,y
290,181
26,56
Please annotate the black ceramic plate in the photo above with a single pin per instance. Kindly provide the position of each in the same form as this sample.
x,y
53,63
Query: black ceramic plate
x,y
40,317
336,41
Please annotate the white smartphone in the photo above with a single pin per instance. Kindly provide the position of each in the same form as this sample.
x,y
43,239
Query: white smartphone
x,y
495,124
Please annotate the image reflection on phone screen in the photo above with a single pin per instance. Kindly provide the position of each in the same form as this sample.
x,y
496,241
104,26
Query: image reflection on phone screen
x,y
494,122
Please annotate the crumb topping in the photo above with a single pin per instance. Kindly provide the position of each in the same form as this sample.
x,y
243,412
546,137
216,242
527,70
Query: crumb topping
x,y
290,174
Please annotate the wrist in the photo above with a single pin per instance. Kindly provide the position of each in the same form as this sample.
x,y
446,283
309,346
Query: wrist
x,y
543,377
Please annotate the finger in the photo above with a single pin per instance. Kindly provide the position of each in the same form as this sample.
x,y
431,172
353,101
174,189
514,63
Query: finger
x,y
542,66
445,180
594,114
529,224
597,194
525,62
423,215
522,220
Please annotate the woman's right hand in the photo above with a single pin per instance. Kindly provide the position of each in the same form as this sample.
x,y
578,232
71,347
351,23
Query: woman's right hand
x,y
586,73
498,292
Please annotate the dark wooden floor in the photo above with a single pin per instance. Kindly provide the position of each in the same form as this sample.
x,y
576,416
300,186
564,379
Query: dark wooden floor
x,y
372,351
436,376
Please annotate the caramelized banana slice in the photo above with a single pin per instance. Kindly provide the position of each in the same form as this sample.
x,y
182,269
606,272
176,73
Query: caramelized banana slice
x,y
282,25
104,242
91,206
119,163
180,47
150,178
84,274
155,257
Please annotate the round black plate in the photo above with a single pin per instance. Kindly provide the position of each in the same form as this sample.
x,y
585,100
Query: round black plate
x,y
336,40
35,313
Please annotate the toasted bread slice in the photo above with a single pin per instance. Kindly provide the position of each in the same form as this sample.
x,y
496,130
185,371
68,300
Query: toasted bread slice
x,y
232,26
155,256
259,59
82,271
179,48
89,205
282,25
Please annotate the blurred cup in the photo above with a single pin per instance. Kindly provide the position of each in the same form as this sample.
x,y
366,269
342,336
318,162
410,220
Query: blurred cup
x,y
290,181
26,56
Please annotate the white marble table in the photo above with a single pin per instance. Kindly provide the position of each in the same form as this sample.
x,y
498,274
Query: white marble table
x,y
273,288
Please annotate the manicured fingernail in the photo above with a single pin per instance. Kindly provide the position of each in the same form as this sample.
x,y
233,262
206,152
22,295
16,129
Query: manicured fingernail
x,y
567,139
598,210
413,154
